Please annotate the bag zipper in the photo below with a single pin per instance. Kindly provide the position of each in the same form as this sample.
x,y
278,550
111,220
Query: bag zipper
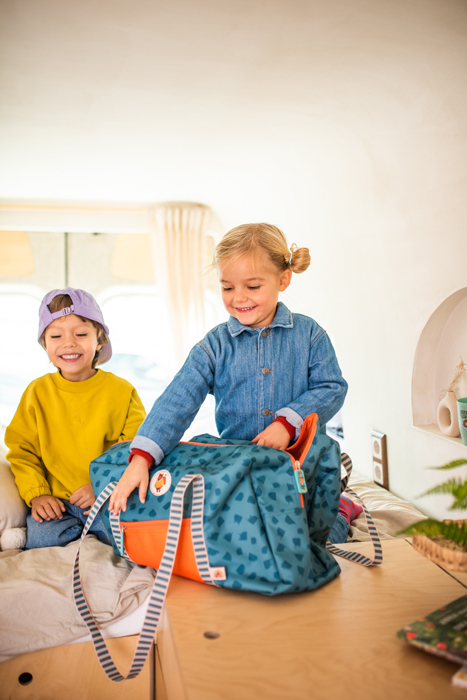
x,y
122,528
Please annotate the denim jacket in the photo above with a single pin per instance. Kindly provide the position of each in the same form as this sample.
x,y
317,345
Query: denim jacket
x,y
286,369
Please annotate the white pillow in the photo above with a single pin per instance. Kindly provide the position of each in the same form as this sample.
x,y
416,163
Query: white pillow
x,y
13,509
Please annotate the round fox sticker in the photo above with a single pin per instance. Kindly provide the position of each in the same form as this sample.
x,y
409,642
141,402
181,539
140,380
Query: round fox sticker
x,y
160,482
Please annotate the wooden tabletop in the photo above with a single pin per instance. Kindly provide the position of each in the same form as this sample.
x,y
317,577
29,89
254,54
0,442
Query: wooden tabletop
x,y
334,643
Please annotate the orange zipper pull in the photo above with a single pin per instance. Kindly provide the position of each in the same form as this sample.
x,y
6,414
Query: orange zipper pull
x,y
300,480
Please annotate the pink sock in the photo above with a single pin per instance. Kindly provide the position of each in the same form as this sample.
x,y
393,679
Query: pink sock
x,y
348,509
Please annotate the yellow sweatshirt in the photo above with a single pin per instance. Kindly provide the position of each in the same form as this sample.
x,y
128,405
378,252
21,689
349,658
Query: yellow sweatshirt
x,y
61,426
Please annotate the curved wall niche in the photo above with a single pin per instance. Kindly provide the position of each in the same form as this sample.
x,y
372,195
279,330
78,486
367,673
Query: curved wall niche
x,y
441,344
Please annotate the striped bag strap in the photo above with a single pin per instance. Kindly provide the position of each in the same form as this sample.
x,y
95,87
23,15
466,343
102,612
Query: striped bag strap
x,y
162,580
347,464
373,532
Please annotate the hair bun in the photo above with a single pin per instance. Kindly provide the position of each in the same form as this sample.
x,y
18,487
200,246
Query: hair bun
x,y
300,259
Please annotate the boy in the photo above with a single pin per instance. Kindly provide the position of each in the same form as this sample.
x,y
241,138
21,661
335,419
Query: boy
x,y
66,419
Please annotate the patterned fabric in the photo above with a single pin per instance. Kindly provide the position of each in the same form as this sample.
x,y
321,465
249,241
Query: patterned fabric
x,y
348,509
269,537
159,589
357,558
243,508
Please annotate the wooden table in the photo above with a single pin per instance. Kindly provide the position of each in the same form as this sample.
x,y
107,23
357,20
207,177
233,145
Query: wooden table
x,y
72,672
334,643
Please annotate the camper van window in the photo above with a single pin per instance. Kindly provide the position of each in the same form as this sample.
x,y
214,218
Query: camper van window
x,y
21,357
142,349
138,330
139,339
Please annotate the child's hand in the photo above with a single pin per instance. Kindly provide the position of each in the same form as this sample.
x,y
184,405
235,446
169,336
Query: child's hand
x,y
46,508
275,435
135,476
83,497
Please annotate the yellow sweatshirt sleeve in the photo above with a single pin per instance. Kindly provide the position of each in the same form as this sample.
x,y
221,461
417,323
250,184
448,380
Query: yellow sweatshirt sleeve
x,y
22,437
135,416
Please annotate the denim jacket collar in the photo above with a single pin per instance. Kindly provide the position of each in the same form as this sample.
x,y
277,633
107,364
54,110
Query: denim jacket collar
x,y
283,318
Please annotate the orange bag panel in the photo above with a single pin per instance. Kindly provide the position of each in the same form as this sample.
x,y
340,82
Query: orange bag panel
x,y
299,449
145,543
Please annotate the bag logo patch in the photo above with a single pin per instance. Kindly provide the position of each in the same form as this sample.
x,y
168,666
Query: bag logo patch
x,y
218,573
160,482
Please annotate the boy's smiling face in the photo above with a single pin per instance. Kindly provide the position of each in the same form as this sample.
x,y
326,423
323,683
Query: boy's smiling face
x,y
71,343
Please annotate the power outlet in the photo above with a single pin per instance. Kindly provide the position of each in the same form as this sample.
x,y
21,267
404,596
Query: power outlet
x,y
380,458
378,477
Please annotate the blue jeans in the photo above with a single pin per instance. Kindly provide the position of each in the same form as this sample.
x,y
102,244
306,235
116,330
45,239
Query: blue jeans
x,y
58,533
340,530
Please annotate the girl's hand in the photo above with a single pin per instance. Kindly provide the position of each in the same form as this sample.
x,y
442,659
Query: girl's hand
x,y
83,497
46,508
135,476
275,435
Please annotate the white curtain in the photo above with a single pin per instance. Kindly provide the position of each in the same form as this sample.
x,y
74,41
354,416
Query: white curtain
x,y
179,245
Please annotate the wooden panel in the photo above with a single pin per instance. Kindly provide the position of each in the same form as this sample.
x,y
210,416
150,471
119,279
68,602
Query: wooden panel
x,y
72,672
339,641
172,682
16,259
132,257
75,218
161,691
460,576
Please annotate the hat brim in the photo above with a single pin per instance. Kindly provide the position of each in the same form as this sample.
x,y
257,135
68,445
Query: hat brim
x,y
105,354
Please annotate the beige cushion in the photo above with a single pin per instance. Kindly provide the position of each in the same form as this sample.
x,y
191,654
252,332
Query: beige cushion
x,y
389,512
13,509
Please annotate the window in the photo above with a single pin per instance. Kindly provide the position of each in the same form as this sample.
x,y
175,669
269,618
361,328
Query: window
x,y
21,357
134,313
141,351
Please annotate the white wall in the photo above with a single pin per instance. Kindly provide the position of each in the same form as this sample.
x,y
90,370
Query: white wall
x,y
342,122
394,240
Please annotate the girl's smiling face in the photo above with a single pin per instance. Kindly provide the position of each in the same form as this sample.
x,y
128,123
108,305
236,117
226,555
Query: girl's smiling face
x,y
71,343
250,287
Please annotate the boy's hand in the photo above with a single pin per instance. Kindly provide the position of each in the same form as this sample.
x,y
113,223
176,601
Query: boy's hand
x,y
275,435
83,497
46,508
135,476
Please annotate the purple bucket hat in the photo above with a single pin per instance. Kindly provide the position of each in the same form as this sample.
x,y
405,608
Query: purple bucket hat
x,y
84,305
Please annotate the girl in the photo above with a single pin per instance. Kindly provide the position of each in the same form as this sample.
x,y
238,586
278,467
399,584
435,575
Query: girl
x,y
267,368
66,419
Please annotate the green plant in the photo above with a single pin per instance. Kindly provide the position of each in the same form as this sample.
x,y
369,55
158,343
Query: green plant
x,y
450,531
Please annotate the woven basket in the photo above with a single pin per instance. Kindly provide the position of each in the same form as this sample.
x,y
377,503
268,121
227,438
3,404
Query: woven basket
x,y
443,556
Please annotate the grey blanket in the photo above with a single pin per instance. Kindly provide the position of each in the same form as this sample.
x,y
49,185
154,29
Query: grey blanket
x,y
36,603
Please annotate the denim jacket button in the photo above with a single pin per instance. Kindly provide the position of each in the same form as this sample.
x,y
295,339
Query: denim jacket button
x,y
265,370
266,411
264,334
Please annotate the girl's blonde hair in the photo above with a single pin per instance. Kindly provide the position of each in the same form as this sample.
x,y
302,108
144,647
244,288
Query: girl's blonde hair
x,y
62,301
245,239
